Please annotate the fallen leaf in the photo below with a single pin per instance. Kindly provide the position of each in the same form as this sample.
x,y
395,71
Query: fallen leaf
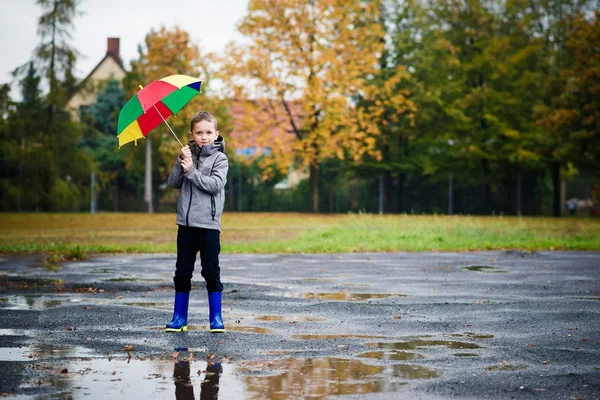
x,y
119,297
545,362
69,329
572,329
397,316
467,325
64,371
577,348
531,345
128,347
114,373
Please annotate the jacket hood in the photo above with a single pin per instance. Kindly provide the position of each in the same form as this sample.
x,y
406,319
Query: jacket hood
x,y
218,145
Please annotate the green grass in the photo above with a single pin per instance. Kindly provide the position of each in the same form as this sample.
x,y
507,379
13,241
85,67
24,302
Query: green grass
x,y
74,236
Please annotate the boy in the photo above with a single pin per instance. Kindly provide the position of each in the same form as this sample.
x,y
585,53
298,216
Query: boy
x,y
200,171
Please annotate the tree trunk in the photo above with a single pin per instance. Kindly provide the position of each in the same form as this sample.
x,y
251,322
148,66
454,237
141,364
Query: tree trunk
x,y
148,178
487,188
556,212
450,193
117,194
519,194
331,198
313,201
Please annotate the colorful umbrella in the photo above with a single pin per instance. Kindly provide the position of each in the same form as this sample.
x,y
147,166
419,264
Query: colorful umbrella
x,y
153,104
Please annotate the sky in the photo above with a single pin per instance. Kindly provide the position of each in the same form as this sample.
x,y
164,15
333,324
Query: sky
x,y
211,24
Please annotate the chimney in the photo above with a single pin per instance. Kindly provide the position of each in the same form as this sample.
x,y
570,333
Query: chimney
x,y
112,49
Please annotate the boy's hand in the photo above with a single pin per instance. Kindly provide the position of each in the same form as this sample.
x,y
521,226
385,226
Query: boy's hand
x,y
187,164
186,152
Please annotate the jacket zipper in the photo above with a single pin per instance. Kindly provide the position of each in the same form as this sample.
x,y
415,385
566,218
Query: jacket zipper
x,y
187,216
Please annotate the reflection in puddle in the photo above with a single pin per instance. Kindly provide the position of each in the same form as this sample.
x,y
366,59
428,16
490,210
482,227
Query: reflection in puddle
x,y
322,377
16,332
327,337
36,303
391,355
408,371
466,355
157,379
190,379
418,344
43,352
485,268
342,295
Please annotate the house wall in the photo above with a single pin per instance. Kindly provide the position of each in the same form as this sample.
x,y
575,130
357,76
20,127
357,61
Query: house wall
x,y
87,93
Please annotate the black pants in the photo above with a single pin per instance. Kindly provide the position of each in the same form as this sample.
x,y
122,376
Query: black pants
x,y
189,242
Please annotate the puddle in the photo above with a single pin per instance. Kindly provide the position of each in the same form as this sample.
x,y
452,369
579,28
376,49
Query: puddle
x,y
36,303
323,377
43,352
327,337
472,335
485,268
408,371
507,367
16,332
319,279
157,379
233,328
103,271
120,280
278,379
289,318
466,355
391,355
419,344
342,295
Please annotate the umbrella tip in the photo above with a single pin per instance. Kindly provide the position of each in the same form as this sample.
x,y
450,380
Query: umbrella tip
x,y
140,86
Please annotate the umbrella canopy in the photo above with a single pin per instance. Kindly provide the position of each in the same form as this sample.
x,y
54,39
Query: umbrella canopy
x,y
153,104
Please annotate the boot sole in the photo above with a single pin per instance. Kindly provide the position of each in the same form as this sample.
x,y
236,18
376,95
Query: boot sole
x,y
182,329
217,330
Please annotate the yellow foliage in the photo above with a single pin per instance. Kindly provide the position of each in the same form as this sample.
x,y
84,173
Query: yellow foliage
x,y
296,72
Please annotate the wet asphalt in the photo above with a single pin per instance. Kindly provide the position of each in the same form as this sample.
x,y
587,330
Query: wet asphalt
x,y
364,325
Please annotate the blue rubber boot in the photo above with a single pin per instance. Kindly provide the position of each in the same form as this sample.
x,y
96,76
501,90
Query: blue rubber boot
x,y
180,313
214,305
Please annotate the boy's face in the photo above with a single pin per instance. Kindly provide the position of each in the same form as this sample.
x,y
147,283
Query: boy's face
x,y
204,133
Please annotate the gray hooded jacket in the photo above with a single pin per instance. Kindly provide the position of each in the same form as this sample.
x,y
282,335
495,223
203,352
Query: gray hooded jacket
x,y
202,196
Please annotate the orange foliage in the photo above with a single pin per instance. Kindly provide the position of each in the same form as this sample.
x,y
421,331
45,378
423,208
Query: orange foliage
x,y
301,68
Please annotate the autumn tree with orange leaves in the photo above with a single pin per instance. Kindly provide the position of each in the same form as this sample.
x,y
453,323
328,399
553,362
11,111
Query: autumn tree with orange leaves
x,y
299,75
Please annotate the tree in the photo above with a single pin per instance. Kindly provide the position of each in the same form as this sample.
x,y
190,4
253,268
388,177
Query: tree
x,y
320,55
58,167
581,98
553,22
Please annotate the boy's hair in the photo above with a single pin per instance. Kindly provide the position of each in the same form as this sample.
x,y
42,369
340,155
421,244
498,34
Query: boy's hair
x,y
203,116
